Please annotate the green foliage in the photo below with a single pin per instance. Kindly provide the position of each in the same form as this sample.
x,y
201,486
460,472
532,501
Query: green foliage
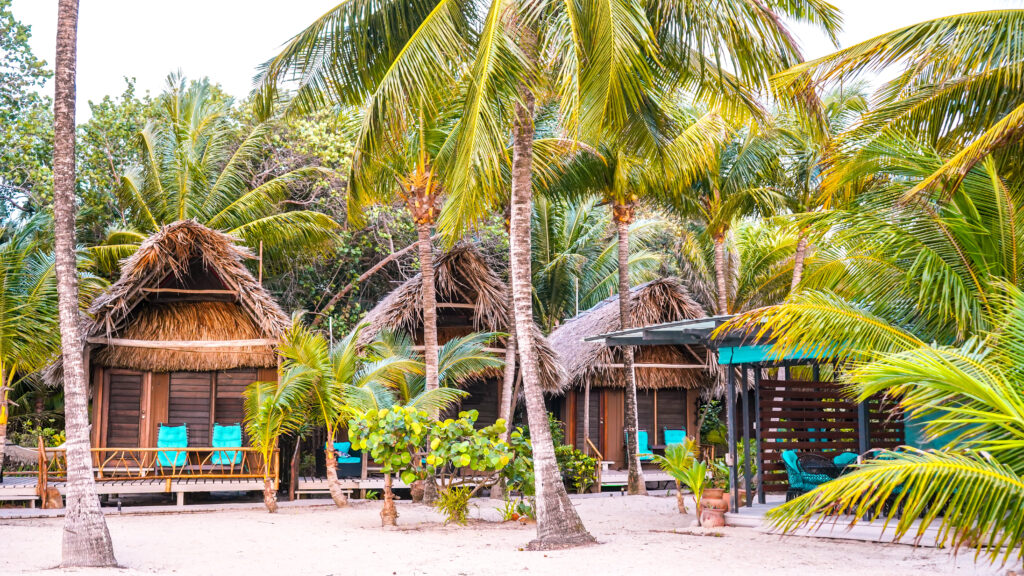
x,y
455,443
518,474
395,438
678,458
372,495
577,467
453,502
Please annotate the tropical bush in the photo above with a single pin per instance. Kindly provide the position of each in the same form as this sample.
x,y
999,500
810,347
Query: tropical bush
x,y
676,462
579,469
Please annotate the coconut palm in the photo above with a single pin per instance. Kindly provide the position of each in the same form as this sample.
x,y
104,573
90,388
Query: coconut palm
x,y
600,59
973,487
29,338
324,372
742,179
273,409
760,261
957,89
86,540
575,262
193,168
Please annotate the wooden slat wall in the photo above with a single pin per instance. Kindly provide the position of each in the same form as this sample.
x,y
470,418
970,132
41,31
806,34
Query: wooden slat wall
x,y
124,409
671,411
595,419
816,417
613,411
644,413
483,397
230,386
190,403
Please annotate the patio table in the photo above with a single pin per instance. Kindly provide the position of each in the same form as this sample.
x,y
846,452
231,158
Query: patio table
x,y
816,464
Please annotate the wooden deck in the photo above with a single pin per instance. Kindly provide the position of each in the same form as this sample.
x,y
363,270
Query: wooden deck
x,y
23,488
654,478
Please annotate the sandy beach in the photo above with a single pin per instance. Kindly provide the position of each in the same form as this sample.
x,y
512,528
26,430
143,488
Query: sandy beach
x,y
637,535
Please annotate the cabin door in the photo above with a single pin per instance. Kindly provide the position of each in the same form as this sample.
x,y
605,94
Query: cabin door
x,y
124,409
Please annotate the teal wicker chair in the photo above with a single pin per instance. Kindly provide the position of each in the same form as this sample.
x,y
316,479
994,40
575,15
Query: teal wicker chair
x,y
799,480
172,437
227,437
845,459
674,436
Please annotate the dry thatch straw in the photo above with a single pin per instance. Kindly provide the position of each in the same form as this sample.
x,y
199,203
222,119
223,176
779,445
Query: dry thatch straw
x,y
462,276
166,259
656,302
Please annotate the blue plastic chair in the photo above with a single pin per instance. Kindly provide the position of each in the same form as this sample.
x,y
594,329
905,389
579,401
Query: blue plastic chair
x,y
227,437
674,436
644,450
172,437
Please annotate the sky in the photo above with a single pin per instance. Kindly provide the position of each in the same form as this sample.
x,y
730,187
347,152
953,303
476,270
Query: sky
x,y
227,39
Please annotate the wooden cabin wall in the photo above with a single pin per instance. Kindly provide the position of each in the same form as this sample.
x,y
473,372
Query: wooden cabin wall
x,y
484,398
124,408
159,396
190,404
595,420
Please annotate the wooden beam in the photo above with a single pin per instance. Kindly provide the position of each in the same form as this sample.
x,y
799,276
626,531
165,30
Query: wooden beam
x,y
456,305
492,350
186,344
188,291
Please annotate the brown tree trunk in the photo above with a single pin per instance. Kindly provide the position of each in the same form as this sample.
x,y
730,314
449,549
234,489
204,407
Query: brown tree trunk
x,y
333,485
388,514
507,390
721,285
4,414
429,301
86,540
586,419
558,524
798,262
269,495
680,501
635,483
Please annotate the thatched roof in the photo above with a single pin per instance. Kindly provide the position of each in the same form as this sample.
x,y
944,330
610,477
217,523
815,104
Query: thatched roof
x,y
461,276
656,302
173,258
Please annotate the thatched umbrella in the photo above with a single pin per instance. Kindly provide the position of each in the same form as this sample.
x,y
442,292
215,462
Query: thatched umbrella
x,y
463,278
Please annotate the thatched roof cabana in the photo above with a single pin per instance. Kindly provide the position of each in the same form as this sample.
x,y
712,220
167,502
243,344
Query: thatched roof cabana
x,y
466,285
186,302
657,367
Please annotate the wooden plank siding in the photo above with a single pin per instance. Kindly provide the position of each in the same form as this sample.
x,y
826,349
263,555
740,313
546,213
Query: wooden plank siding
x,y
190,404
816,417
228,407
595,420
483,397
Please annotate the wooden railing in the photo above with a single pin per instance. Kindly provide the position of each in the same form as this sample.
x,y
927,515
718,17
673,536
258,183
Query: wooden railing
x,y
119,464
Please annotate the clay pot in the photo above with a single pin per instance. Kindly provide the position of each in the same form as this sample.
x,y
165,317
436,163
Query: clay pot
x,y
712,518
713,493
416,491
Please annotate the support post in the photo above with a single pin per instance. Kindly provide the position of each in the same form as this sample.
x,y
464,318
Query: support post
x,y
816,372
757,436
745,391
180,498
730,416
862,427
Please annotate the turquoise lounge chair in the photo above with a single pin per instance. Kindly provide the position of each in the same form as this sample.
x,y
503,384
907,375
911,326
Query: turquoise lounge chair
x,y
172,437
645,449
227,437
799,480
350,462
674,436
845,459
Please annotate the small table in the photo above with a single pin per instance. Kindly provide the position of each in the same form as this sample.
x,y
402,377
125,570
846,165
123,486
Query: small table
x,y
814,464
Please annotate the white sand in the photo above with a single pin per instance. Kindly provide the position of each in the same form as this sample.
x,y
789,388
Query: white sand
x,y
322,540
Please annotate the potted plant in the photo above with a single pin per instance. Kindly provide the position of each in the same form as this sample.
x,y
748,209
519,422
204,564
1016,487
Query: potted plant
x,y
676,462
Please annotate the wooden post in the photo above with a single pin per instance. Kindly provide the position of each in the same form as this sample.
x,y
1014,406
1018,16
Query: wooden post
x,y
757,436
746,437
862,427
730,416
655,431
690,404
41,480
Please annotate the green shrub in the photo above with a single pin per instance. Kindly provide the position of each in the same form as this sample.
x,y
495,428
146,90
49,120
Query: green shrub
x,y
577,468
453,502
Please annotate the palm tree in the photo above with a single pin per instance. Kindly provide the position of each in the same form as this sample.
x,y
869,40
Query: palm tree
x,y
575,262
86,539
324,373
193,168
397,56
29,338
971,394
742,179
273,409
958,91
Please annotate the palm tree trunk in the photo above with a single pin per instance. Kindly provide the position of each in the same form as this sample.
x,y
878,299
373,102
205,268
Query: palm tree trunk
x,y
680,501
429,301
86,540
269,495
798,262
333,485
558,524
635,483
720,282
507,399
388,514
4,412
